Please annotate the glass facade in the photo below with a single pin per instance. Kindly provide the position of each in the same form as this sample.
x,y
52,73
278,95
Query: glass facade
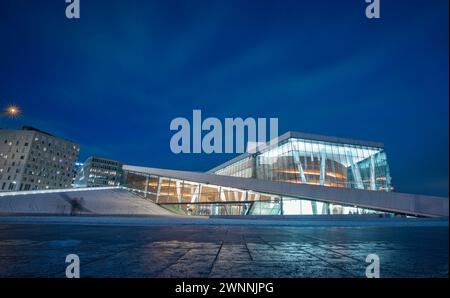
x,y
334,164
193,198
296,158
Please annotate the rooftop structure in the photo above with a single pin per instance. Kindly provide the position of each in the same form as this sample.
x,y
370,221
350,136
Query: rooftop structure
x,y
314,159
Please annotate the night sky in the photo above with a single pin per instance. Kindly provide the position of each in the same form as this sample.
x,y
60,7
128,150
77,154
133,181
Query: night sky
x,y
114,79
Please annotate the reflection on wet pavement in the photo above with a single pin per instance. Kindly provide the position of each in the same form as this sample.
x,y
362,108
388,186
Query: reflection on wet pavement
x,y
39,250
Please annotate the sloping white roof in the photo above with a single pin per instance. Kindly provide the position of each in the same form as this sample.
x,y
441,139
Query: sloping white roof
x,y
411,204
91,201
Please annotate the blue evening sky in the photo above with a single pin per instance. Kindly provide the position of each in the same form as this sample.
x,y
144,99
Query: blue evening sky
x,y
114,79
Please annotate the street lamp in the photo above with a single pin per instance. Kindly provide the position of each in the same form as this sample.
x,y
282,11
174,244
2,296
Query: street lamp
x,y
11,111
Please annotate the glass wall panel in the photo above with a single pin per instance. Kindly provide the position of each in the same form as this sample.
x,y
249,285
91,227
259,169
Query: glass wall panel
x,y
265,208
209,194
187,197
135,181
319,163
168,191
152,184
244,168
190,192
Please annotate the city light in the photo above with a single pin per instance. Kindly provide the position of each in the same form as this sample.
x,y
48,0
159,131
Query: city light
x,y
11,111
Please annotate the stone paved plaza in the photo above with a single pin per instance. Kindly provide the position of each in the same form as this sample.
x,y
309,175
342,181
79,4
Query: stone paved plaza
x,y
194,247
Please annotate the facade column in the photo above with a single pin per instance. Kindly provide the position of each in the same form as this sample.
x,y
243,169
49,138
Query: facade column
x,y
197,193
296,155
281,206
146,185
158,191
322,169
373,185
357,183
222,195
178,186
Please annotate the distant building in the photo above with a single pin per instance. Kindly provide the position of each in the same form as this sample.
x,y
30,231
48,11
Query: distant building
x,y
98,171
31,159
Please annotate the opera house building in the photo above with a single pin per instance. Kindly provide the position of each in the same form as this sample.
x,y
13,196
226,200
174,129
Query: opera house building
x,y
300,174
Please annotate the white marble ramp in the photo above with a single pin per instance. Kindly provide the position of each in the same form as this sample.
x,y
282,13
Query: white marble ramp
x,y
113,201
